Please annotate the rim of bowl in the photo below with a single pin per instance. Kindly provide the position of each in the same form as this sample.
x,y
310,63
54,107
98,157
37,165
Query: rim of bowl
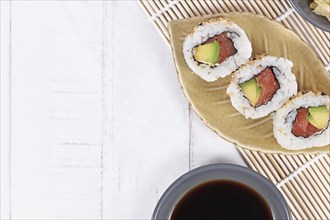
x,y
305,16
169,192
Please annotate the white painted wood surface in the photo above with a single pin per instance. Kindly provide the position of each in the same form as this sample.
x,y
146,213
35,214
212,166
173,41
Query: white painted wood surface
x,y
94,124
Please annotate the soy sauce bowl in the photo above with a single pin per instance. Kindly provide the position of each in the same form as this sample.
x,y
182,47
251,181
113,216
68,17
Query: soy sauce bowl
x,y
243,175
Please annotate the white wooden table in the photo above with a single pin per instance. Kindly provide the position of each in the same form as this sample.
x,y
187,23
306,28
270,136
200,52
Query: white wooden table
x,y
93,121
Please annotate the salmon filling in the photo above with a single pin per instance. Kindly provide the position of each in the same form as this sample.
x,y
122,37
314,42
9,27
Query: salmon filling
x,y
268,83
301,127
226,45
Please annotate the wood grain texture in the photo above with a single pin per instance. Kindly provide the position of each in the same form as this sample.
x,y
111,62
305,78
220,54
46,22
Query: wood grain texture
x,y
94,124
146,123
206,147
56,110
5,152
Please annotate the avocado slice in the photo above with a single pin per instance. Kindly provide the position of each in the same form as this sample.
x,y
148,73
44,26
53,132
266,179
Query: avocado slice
x,y
312,121
207,53
251,91
319,116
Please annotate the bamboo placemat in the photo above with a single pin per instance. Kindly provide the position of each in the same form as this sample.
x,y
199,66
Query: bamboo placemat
x,y
304,180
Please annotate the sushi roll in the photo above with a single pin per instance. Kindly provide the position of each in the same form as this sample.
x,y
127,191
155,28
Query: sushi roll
x,y
262,86
216,48
303,122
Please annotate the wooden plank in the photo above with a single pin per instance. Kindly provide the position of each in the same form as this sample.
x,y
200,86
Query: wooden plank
x,y
5,169
56,110
146,118
206,147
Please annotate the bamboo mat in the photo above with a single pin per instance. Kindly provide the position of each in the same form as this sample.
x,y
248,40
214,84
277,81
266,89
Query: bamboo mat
x,y
304,180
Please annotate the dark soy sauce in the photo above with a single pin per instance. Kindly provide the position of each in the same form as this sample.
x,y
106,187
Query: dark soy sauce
x,y
222,199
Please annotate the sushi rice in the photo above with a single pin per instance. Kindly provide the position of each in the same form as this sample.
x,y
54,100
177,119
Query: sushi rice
x,y
208,29
284,117
282,71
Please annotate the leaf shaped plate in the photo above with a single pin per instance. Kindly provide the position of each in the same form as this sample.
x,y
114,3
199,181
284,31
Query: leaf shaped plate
x,y
209,99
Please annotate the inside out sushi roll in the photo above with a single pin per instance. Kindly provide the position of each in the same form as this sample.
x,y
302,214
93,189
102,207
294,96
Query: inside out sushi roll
x,y
303,122
216,48
262,86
